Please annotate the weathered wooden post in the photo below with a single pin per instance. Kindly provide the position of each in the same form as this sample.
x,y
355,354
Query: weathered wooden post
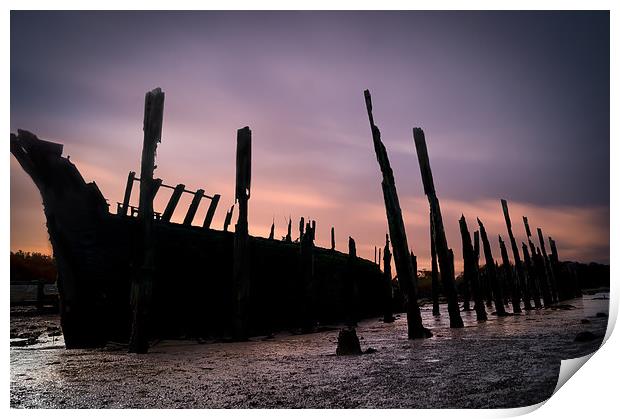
x,y
531,273
379,258
228,219
306,258
301,228
142,284
491,273
441,244
350,287
434,272
470,270
333,239
241,268
211,211
130,179
510,279
273,229
540,276
552,283
375,255
288,237
522,279
404,268
388,315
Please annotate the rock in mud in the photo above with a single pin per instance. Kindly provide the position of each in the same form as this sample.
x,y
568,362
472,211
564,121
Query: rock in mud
x,y
585,337
348,343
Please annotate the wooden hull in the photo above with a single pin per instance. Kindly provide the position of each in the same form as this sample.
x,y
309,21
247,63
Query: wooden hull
x,y
192,288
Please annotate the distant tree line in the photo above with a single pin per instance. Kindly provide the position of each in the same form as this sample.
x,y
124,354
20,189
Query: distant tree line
x,y
32,266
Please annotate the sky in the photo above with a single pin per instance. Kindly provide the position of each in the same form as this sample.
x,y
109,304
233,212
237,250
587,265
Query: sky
x,y
514,105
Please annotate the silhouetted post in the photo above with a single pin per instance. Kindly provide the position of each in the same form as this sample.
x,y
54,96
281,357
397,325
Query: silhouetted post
x,y
441,244
241,268
142,284
173,202
350,287
404,268
379,258
228,219
521,276
193,207
531,273
388,315
470,269
375,255
333,239
273,230
130,179
552,284
491,272
540,275
434,272
288,237
211,211
313,229
306,256
510,280
301,227
564,290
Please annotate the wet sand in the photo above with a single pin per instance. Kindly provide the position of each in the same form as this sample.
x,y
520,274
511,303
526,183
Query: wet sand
x,y
506,362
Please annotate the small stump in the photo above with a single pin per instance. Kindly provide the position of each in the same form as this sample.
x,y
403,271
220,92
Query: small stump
x,y
348,343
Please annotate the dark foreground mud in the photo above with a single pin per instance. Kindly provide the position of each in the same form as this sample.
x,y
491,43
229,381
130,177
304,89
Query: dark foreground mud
x,y
506,362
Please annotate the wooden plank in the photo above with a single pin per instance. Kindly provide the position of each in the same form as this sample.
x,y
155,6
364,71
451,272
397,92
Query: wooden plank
x,y
193,207
173,202
211,211
130,179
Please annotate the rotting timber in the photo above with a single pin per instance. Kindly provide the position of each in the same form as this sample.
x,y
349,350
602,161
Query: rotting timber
x,y
193,287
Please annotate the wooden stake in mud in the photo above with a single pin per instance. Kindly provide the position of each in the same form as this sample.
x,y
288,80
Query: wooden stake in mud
x,y
306,259
441,244
541,282
241,267
379,258
510,279
388,315
531,273
333,239
142,284
548,269
470,270
193,207
211,211
350,287
491,273
273,230
521,275
301,228
402,260
434,272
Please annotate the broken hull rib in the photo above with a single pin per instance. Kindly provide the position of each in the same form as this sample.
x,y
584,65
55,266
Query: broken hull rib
x,y
192,283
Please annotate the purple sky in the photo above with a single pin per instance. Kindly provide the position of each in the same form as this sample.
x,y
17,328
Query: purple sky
x,y
514,105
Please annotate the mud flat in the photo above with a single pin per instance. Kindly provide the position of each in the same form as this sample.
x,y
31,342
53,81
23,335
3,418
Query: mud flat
x,y
506,362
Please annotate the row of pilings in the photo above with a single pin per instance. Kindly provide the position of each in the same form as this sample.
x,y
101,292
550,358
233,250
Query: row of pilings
x,y
538,275
535,276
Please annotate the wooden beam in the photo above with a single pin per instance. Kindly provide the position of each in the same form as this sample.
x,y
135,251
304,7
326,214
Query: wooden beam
x,y
211,211
193,207
441,244
407,277
173,202
127,197
141,290
241,267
